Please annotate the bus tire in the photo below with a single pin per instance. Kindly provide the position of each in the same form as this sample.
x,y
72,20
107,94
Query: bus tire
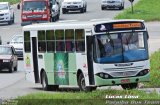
x,y
44,80
129,86
82,84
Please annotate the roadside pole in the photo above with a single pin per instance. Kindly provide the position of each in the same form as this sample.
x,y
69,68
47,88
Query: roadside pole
x,y
132,5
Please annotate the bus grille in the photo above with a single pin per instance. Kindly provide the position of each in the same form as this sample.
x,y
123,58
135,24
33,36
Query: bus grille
x,y
124,72
124,69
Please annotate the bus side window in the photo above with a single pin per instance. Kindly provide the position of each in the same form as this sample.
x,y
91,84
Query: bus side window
x,y
41,41
79,40
59,35
80,46
69,40
60,46
69,46
50,39
27,46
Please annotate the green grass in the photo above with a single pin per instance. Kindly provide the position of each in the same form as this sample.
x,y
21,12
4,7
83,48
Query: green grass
x,y
11,1
154,70
97,97
147,10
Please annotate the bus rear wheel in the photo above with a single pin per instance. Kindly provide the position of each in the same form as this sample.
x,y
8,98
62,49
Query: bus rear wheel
x,y
129,86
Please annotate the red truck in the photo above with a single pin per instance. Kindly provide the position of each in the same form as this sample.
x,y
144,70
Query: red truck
x,y
39,11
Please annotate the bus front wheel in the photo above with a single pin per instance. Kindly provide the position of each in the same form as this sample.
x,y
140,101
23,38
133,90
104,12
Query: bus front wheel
x,y
129,86
81,82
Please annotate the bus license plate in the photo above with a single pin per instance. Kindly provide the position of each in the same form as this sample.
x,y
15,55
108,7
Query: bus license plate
x,y
125,81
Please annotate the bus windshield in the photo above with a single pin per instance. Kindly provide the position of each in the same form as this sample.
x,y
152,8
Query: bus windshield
x,y
121,47
35,6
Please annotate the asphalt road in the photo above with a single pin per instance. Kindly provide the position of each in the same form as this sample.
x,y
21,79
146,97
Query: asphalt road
x,y
13,85
93,12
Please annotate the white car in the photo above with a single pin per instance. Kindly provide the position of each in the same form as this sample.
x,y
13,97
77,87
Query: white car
x,y
6,13
105,4
74,5
17,43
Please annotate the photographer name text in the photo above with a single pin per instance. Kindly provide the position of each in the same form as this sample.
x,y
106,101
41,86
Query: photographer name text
x,y
122,97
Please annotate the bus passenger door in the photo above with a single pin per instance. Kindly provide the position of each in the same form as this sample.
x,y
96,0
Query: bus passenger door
x,y
90,60
35,59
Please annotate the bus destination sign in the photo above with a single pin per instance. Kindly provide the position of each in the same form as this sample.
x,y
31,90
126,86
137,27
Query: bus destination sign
x,y
119,26
127,25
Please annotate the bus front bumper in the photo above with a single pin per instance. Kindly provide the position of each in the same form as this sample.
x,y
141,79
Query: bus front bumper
x,y
118,81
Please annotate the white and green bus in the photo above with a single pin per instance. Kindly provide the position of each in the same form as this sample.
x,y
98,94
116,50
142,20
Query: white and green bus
x,y
87,54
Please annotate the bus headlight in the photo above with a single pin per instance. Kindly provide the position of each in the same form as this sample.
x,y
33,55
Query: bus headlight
x,y
143,72
104,75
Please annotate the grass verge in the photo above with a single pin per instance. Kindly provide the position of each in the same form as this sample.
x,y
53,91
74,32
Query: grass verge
x,y
154,71
147,10
11,1
98,97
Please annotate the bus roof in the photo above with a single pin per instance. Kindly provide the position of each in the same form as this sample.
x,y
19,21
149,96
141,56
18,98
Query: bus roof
x,y
73,24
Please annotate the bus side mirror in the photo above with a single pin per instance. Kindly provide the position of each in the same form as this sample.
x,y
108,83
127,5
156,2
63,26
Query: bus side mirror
x,y
18,6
